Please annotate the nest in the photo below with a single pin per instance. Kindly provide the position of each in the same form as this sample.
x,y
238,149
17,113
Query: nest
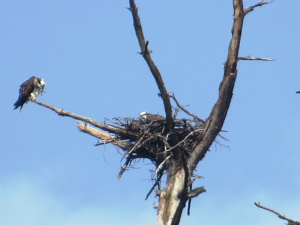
x,y
150,139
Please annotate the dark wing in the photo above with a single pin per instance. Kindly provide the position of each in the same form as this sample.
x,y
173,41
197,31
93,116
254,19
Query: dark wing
x,y
158,117
155,117
298,92
25,90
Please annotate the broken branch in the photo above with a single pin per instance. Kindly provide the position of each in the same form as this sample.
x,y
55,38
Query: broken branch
x,y
126,145
254,58
195,192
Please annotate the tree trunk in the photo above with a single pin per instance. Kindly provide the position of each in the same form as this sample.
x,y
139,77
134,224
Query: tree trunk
x,y
173,198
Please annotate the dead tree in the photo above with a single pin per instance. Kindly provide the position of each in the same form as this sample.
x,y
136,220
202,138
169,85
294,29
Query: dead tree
x,y
174,145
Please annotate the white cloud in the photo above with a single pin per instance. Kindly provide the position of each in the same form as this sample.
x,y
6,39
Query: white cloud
x,y
26,201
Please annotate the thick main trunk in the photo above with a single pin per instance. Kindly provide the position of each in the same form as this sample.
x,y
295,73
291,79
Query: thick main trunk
x,y
172,199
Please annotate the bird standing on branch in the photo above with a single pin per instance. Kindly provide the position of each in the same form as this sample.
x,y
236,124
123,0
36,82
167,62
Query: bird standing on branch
x,y
29,90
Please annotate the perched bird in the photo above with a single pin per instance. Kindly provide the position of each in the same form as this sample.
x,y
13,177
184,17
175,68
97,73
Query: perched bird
x,y
29,90
150,117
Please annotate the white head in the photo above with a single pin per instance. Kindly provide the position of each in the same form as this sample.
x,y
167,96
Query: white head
x,y
39,87
42,82
143,115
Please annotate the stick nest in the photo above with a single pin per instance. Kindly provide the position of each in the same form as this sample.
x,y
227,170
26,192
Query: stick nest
x,y
150,140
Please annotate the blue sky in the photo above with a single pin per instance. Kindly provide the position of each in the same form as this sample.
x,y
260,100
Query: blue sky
x,y
50,173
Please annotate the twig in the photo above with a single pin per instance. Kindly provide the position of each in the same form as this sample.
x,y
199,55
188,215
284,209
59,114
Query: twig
x,y
157,182
254,58
197,176
221,136
291,222
137,144
222,145
251,8
163,139
183,109
161,165
192,132
124,167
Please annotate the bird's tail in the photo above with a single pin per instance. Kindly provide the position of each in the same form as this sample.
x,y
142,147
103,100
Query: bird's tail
x,y
17,104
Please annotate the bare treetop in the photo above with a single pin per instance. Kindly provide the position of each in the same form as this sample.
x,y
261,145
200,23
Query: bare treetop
x,y
174,145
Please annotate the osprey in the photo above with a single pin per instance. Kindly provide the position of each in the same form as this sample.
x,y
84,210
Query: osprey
x,y
29,90
150,117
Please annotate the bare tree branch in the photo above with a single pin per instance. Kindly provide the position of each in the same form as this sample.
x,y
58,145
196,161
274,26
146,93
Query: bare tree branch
x,y
109,128
183,140
175,146
159,176
254,58
137,145
95,132
154,70
291,222
195,192
160,166
183,109
126,145
124,167
251,8
215,121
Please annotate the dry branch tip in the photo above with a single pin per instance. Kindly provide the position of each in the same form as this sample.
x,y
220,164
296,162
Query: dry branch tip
x,y
291,222
255,58
251,8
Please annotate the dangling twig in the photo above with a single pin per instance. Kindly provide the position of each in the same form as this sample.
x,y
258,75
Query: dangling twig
x,y
124,167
